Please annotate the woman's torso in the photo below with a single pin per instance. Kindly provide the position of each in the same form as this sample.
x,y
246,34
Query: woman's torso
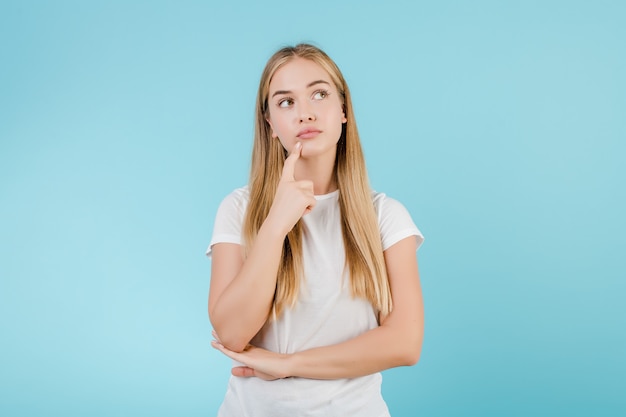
x,y
325,314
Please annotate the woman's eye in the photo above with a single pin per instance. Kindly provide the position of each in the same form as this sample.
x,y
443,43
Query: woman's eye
x,y
320,95
286,102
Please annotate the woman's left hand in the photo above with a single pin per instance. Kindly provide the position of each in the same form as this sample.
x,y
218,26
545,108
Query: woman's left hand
x,y
260,363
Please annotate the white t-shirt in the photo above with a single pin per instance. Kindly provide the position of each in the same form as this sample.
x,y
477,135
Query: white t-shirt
x,y
325,314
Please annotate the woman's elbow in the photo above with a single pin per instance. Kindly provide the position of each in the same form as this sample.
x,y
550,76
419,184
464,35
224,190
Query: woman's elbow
x,y
234,345
231,340
410,352
411,357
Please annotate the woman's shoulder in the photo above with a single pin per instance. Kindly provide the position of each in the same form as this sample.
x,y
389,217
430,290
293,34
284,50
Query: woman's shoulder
x,y
235,202
385,204
394,220
237,196
240,192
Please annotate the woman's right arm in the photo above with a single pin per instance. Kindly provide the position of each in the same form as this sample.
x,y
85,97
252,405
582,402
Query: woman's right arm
x,y
242,290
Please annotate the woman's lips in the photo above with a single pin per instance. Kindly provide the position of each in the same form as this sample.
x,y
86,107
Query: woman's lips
x,y
308,133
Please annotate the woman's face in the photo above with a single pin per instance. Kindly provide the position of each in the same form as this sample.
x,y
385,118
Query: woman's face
x,y
305,106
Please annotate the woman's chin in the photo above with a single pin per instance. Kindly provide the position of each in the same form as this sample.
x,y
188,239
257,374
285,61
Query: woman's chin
x,y
312,150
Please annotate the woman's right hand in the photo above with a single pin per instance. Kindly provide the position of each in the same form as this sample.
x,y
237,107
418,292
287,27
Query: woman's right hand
x,y
293,198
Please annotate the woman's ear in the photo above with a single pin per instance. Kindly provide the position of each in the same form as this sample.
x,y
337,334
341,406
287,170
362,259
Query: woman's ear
x,y
274,135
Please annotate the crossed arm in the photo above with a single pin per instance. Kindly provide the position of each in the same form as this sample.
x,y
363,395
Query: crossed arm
x,y
396,342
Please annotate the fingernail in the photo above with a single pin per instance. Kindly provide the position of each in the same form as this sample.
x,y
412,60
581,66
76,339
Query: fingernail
x,y
298,145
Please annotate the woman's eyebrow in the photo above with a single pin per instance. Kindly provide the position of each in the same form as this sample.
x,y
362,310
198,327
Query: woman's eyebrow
x,y
311,84
317,82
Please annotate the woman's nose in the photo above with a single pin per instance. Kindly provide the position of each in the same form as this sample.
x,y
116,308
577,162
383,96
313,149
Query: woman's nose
x,y
306,114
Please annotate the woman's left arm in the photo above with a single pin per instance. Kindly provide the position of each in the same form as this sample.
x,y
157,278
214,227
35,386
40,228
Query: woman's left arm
x,y
396,342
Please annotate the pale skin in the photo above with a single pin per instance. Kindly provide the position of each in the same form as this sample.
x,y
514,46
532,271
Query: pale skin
x,y
303,98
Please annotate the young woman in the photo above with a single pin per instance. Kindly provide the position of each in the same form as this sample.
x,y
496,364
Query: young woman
x,y
314,282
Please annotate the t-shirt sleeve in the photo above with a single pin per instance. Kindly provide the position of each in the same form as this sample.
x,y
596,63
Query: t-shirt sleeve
x,y
395,222
229,220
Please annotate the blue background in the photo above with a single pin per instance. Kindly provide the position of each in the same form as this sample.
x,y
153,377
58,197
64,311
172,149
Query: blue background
x,y
500,125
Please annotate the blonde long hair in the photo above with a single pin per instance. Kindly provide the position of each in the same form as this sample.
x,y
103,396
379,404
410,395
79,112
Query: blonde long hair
x,y
359,224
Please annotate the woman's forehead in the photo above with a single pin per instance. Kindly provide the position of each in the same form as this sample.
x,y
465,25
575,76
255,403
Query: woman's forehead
x,y
298,74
